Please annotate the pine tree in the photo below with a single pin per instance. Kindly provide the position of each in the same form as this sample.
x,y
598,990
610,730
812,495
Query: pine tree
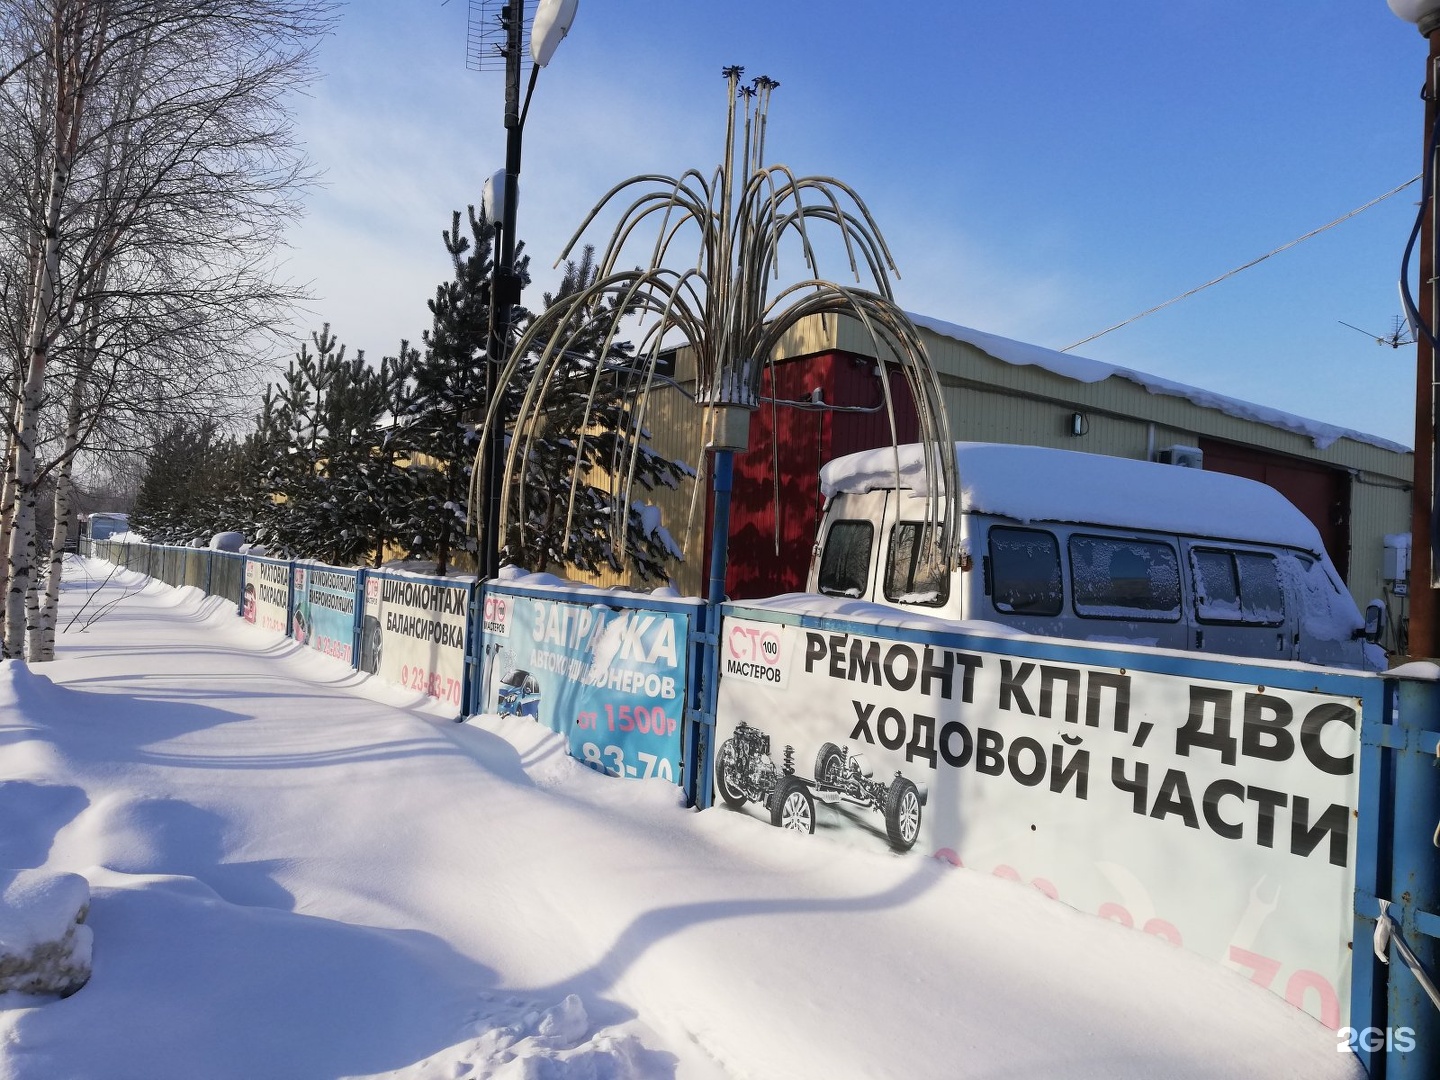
x,y
165,504
336,459
451,387
238,497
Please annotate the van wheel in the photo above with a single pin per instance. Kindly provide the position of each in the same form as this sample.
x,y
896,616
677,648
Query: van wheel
x,y
902,814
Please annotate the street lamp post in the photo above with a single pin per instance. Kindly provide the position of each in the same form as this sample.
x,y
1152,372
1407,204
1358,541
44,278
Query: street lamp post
x,y
1425,14
552,22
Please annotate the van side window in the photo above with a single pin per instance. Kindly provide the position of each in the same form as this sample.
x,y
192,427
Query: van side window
x,y
845,562
1117,578
1024,569
1238,587
915,573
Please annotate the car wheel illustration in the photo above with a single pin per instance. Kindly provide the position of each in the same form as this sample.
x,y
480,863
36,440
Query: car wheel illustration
x,y
370,645
792,807
725,766
827,764
902,814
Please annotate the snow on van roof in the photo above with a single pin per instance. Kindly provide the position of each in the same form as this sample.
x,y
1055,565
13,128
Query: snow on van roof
x,y
1037,483
1085,370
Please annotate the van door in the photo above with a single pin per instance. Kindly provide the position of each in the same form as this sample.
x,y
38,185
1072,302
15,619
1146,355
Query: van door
x,y
848,549
1241,606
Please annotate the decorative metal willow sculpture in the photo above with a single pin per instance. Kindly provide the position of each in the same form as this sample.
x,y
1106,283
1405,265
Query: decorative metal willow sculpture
x,y
722,309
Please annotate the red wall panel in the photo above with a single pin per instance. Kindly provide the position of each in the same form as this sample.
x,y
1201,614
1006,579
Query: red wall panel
x,y
778,478
1322,494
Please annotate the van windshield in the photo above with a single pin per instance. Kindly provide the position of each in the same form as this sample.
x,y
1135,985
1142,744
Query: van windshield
x,y
915,573
106,525
845,563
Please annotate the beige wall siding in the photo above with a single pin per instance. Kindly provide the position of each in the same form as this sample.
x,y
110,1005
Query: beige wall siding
x,y
1376,510
961,363
674,425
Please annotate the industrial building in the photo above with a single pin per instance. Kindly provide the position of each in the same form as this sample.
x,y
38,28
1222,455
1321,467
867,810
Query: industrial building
x,y
823,397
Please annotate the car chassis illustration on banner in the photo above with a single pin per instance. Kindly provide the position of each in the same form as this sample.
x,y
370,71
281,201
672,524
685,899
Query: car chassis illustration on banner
x,y
745,772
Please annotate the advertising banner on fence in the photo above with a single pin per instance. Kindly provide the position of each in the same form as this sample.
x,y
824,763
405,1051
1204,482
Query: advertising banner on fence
x,y
1217,816
611,681
325,610
266,600
414,634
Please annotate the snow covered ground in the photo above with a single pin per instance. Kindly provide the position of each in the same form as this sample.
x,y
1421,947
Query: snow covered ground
x,y
298,872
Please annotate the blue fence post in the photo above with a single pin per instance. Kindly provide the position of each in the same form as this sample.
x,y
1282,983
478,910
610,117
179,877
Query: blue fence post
x,y
1415,879
1394,1025
695,718
701,748
1372,874
290,606
362,578
474,649
701,699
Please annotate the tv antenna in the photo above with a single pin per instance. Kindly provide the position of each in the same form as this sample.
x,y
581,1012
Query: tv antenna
x,y
1399,333
485,36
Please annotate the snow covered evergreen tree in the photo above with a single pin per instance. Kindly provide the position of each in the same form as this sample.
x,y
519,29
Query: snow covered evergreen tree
x,y
197,484
348,456
166,504
337,462
450,390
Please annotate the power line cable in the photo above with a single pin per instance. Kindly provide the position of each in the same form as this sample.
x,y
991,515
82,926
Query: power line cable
x,y
1252,262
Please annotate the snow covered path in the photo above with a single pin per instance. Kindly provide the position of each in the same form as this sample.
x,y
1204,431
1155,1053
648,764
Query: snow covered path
x,y
300,873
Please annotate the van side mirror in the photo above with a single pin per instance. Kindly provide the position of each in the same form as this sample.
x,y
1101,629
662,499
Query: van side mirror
x,y
1374,621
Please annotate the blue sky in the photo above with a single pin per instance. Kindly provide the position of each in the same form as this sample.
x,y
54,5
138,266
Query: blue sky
x,y
1039,170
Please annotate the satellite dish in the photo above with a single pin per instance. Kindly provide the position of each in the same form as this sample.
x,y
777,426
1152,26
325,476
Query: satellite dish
x,y
552,23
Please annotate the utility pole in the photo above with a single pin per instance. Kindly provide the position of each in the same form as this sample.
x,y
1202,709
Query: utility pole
x,y
1423,562
505,286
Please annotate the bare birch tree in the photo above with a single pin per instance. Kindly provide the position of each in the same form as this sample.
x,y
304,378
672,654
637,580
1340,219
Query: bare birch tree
x,y
154,171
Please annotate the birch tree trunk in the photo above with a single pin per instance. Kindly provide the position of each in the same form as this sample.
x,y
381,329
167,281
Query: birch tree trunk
x,y
32,594
7,510
42,636
37,349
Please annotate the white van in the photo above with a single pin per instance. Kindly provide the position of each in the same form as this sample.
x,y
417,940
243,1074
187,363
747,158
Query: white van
x,y
104,526
1071,545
